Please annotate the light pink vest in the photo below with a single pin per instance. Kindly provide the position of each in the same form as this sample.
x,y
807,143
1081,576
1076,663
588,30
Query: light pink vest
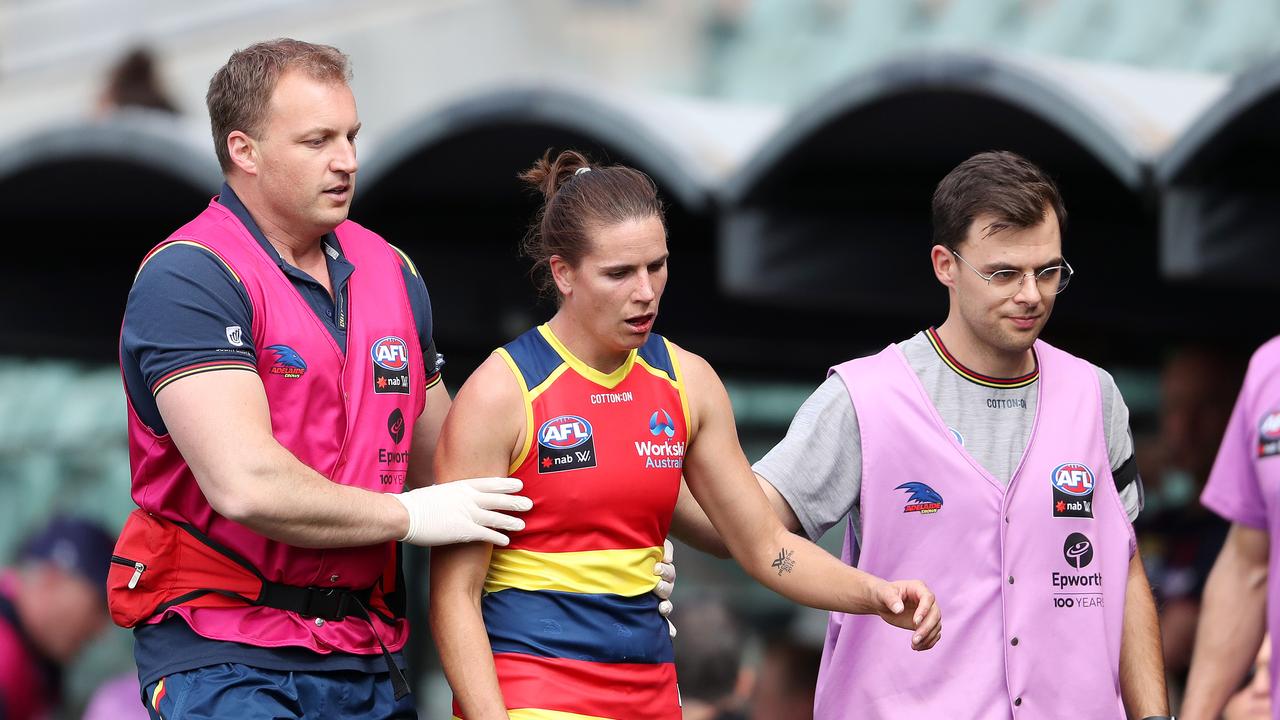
x,y
333,416
1032,598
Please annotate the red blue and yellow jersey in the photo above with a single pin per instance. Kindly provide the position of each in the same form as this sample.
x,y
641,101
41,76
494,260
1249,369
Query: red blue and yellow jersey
x,y
568,605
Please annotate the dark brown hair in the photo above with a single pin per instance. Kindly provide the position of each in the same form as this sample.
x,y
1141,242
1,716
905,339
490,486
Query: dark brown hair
x,y
579,197
998,183
134,82
240,91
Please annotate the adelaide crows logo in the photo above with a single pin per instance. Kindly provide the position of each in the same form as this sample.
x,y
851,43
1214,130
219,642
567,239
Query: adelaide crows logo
x,y
288,362
922,499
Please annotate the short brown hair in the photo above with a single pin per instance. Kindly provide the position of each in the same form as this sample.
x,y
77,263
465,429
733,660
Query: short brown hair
x,y
579,197
998,183
240,91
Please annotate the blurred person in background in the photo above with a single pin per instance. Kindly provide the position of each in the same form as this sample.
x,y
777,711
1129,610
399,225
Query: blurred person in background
x,y
708,659
51,607
786,680
116,699
996,466
1253,702
1180,538
600,417
1243,488
134,82
280,371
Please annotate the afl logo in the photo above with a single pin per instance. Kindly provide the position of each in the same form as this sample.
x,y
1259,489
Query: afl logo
x,y
390,353
1073,479
564,432
1269,428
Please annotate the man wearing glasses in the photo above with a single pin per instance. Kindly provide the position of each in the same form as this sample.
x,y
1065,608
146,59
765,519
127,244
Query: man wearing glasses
x,y
992,465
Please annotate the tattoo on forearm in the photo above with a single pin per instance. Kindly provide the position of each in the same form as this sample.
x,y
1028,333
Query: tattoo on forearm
x,y
784,562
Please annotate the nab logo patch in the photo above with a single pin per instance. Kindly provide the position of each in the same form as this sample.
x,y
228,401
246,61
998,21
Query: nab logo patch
x,y
660,424
922,498
565,443
288,362
390,365
1072,490
1269,435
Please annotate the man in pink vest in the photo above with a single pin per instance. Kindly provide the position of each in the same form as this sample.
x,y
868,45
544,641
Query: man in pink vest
x,y
1243,488
280,370
997,468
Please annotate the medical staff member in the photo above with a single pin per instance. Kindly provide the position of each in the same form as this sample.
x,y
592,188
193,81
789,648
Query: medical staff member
x,y
992,465
284,400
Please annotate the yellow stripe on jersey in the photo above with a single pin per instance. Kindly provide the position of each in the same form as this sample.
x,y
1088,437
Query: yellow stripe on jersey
x,y
542,386
528,409
679,383
535,714
627,572
655,371
608,380
192,243
407,262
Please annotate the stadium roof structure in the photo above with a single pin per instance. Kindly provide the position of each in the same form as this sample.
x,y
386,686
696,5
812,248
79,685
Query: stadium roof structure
x,y
688,145
444,186
834,210
144,144
1219,188
88,200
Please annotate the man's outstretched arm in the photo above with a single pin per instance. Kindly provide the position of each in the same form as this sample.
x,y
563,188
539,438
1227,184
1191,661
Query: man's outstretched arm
x,y
1141,658
1232,622
691,524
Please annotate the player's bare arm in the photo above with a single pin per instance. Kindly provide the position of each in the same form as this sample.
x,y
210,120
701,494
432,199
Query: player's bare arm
x,y
724,485
479,436
426,434
691,524
1232,622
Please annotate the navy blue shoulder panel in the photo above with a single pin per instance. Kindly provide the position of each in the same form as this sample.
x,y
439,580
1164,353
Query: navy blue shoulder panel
x,y
534,356
654,352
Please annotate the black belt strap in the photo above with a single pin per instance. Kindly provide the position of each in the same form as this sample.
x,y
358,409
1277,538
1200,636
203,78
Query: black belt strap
x,y
332,604
325,603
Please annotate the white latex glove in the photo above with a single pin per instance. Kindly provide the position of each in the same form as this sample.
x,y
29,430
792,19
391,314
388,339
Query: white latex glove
x,y
463,511
666,570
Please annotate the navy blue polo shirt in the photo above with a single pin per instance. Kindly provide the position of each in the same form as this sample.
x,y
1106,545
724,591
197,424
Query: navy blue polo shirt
x,y
182,312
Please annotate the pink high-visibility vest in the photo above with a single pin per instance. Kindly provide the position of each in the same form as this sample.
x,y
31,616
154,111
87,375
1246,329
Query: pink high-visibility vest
x,y
1031,578
346,413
